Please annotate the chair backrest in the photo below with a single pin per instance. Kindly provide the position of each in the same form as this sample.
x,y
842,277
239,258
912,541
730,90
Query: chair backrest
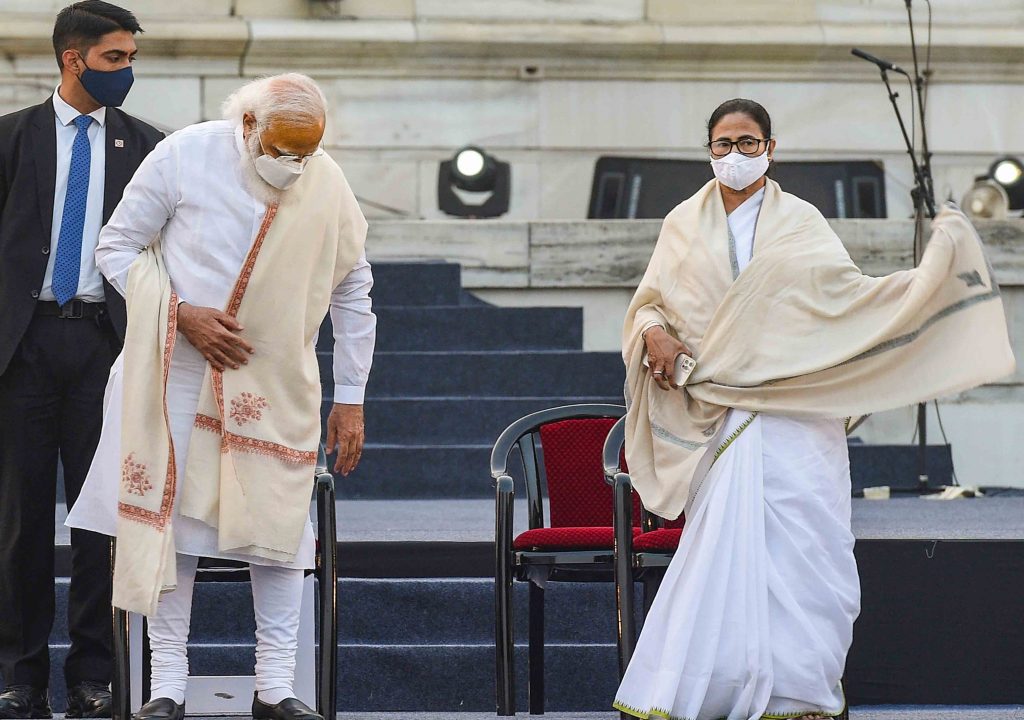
x,y
614,456
561,453
577,492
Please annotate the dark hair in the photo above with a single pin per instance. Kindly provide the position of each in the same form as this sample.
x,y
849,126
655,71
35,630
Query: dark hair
x,y
755,111
81,25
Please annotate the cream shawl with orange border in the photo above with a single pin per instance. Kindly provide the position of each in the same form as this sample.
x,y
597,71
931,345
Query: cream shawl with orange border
x,y
801,331
254,445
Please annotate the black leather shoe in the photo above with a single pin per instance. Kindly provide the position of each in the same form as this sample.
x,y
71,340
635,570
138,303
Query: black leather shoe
x,y
89,700
24,701
287,709
160,709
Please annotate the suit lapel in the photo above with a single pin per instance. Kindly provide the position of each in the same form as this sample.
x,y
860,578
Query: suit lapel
x,y
44,143
121,162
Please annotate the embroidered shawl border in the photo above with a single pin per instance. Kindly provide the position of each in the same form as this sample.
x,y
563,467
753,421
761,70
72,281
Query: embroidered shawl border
x,y
159,519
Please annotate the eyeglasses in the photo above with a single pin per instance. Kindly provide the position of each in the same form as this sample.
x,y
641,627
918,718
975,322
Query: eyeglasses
x,y
748,146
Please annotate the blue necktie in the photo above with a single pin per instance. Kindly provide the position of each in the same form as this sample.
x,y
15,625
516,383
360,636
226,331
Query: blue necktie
x,y
67,265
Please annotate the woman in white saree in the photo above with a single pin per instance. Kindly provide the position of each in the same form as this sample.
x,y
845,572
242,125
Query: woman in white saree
x,y
755,614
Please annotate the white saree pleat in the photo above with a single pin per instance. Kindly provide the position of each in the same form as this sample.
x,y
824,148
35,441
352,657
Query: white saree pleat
x,y
755,613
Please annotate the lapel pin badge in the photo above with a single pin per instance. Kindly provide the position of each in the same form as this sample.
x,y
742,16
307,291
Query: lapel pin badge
x,y
118,143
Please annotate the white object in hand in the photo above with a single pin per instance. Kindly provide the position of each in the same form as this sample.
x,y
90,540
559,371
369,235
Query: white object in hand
x,y
684,367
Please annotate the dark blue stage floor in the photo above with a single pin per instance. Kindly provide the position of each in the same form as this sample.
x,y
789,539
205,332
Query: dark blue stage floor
x,y
940,621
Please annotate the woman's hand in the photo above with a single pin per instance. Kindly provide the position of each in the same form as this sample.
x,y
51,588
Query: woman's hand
x,y
662,351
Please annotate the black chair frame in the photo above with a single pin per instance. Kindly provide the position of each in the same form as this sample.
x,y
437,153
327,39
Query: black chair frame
x,y
574,566
215,570
630,567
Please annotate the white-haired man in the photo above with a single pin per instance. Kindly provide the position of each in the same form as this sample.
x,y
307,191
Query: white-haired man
x,y
231,242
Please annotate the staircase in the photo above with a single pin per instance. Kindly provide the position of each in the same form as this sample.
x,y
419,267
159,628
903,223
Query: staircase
x,y
450,373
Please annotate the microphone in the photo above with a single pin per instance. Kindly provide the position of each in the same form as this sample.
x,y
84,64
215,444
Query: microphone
x,y
882,64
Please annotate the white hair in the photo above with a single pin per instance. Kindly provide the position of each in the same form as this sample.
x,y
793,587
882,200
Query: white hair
x,y
289,96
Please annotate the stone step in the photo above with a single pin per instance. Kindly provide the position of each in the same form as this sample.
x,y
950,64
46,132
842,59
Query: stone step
x,y
494,373
421,678
872,712
459,327
420,472
416,284
372,612
453,421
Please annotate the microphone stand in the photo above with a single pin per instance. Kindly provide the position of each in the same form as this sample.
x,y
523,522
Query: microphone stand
x,y
923,196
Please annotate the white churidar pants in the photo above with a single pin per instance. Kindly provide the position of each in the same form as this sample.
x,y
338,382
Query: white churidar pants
x,y
277,599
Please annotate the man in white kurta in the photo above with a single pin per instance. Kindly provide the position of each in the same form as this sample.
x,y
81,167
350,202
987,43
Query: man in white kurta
x,y
203,194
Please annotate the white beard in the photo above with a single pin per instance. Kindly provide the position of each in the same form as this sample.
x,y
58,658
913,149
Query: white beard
x,y
257,186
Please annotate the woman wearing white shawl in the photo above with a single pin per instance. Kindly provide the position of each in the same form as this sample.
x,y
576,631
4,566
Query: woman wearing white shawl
x,y
755,614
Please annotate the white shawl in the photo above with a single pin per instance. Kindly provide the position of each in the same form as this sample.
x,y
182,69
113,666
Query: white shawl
x,y
801,331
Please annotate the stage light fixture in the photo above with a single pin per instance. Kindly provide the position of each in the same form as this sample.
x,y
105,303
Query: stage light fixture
x,y
469,163
1009,173
473,171
986,200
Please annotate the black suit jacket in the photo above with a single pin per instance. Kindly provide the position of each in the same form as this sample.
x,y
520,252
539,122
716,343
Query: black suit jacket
x,y
28,168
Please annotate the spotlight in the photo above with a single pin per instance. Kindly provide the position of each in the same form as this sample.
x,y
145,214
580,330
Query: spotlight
x,y
473,171
986,200
1009,173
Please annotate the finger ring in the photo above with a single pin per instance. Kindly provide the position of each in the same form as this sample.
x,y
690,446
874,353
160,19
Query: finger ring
x,y
659,373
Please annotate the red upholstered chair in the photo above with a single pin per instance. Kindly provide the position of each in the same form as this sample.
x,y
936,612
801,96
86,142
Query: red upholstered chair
x,y
638,557
561,453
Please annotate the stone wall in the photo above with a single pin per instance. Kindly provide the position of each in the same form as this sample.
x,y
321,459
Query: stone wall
x,y
597,264
550,85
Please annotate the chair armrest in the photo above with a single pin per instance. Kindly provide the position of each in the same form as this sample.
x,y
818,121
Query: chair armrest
x,y
503,506
504,489
321,461
324,479
613,449
622,517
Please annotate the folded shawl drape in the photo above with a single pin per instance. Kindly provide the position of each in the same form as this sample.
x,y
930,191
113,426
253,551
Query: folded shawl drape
x,y
801,331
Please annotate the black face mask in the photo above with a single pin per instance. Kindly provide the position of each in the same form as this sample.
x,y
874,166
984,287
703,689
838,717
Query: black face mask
x,y
108,88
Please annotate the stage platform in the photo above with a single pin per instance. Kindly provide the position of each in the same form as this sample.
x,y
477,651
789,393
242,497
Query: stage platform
x,y
939,625
372,525
864,713
935,712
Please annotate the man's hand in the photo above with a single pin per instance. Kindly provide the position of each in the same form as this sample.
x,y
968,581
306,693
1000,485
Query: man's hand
x,y
662,351
346,432
215,335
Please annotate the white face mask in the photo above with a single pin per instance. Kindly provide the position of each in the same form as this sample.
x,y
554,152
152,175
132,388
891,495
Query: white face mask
x,y
738,171
282,171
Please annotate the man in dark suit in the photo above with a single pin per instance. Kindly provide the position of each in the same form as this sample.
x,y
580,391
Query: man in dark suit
x,y
63,167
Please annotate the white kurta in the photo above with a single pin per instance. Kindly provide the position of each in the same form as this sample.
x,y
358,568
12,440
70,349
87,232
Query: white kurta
x,y
190,192
755,614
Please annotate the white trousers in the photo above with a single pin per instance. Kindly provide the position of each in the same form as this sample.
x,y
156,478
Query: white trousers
x,y
755,614
277,600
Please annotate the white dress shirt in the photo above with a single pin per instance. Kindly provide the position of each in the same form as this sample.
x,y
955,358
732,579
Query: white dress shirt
x,y
190,191
90,283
